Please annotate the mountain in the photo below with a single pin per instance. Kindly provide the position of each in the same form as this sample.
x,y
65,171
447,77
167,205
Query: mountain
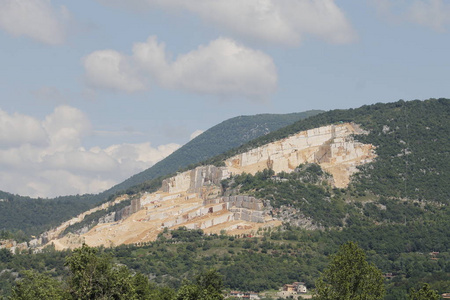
x,y
411,141
216,140
365,155
195,198
377,175
33,216
27,216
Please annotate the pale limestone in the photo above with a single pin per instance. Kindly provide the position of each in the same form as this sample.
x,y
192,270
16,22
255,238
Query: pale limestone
x,y
332,147
192,198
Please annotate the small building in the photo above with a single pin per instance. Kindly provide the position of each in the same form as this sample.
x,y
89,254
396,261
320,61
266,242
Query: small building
x,y
298,287
253,295
236,294
295,290
243,295
289,288
445,296
434,255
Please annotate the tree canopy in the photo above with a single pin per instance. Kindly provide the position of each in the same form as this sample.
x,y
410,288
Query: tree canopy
x,y
424,293
350,277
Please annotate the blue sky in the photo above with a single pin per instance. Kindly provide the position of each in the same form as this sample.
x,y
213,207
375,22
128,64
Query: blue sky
x,y
92,92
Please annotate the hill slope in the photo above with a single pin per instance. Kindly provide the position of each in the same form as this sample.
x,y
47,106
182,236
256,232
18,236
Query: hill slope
x,y
29,216
396,208
411,140
216,140
36,215
399,131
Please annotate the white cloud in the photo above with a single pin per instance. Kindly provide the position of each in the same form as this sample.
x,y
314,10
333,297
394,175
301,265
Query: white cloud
x,y
80,160
274,21
434,14
152,56
118,133
108,69
37,19
66,127
140,153
46,158
18,129
223,67
196,134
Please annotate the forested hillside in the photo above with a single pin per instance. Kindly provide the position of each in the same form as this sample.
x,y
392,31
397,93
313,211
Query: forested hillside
x,y
411,169
277,257
396,208
411,140
216,140
33,216
25,216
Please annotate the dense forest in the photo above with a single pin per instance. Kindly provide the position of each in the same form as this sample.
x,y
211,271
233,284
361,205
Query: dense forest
x,y
25,216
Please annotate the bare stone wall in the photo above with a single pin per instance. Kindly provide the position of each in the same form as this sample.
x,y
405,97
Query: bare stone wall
x,y
331,146
247,202
128,210
109,218
244,208
194,180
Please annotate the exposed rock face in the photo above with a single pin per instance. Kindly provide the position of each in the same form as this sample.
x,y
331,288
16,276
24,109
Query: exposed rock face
x,y
244,208
54,233
194,198
235,214
13,246
192,181
332,147
108,218
128,210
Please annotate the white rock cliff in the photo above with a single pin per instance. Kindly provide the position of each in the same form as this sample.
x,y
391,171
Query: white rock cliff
x,y
332,147
193,198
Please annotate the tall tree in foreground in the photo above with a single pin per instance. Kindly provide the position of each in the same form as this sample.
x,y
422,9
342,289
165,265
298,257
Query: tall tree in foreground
x,y
350,277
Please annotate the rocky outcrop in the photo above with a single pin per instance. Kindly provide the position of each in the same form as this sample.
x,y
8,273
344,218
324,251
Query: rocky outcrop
x,y
333,147
244,208
193,181
13,246
109,218
194,198
128,210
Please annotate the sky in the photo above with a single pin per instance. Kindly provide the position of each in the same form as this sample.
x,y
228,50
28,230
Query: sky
x,y
93,92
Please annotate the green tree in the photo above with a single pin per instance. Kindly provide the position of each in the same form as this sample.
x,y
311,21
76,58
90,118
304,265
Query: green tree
x,y
37,286
188,292
5,255
95,277
424,293
149,291
211,284
207,286
350,277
